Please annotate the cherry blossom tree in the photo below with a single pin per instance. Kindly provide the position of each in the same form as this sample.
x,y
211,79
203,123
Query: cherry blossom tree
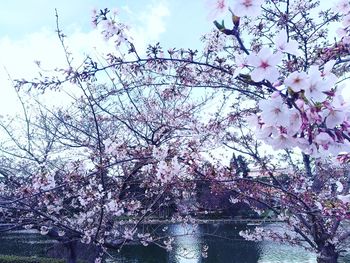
x,y
96,170
146,127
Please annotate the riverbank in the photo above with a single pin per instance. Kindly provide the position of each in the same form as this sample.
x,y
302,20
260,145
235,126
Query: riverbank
x,y
22,259
234,221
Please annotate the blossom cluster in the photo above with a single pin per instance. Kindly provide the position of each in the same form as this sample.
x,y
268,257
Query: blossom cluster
x,y
306,108
313,115
343,7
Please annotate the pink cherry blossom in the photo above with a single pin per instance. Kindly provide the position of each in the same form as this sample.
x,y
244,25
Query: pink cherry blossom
x,y
264,132
295,122
283,45
160,153
160,135
317,86
296,81
344,198
164,174
250,8
241,63
323,139
280,140
303,144
253,121
334,117
274,112
341,32
327,70
342,6
337,148
217,8
336,113
340,186
346,21
265,63
313,115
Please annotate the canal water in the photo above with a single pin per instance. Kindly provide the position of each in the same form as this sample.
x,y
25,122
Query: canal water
x,y
221,242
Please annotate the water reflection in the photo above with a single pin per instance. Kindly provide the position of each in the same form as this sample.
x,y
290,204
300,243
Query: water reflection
x,y
280,253
24,243
272,252
139,254
224,246
223,241
187,244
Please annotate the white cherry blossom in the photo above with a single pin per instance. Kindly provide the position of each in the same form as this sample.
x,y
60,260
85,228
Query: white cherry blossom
x,y
346,21
283,45
265,63
334,117
241,63
336,113
274,112
338,148
295,122
296,81
342,6
316,85
250,8
217,8
265,132
323,139
327,72
344,198
281,140
340,186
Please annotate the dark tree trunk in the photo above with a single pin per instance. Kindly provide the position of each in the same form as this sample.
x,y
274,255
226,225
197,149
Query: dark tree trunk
x,y
327,254
71,252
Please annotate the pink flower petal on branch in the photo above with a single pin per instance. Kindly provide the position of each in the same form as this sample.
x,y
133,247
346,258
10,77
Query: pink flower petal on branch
x,y
274,112
283,45
249,8
217,8
296,81
265,63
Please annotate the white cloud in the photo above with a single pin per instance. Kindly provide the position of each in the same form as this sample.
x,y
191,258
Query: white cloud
x,y
17,56
150,25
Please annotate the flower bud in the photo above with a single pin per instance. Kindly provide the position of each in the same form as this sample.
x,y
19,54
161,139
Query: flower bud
x,y
235,20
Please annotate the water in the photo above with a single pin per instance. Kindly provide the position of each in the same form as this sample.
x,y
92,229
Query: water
x,y
224,245
24,243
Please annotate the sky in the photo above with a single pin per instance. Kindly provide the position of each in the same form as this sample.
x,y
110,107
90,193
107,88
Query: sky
x,y
27,32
